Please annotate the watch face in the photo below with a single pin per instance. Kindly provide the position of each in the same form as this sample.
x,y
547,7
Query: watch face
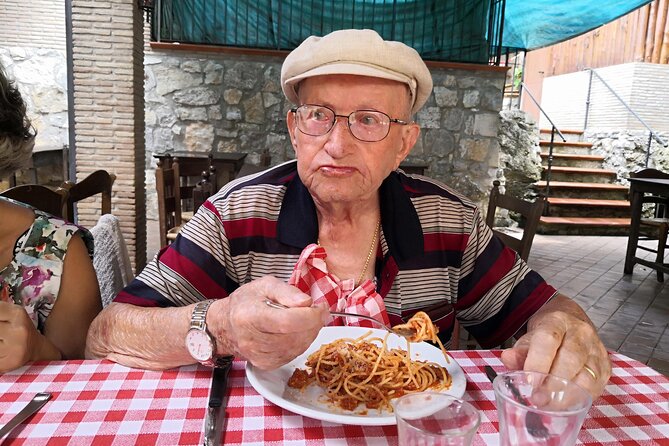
x,y
199,345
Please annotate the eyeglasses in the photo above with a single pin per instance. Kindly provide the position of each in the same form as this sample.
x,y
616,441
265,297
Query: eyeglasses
x,y
365,125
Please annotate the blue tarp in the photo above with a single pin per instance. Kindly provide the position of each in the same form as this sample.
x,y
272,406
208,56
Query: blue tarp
x,y
538,23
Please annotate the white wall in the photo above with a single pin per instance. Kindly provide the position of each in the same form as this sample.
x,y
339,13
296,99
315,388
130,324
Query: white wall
x,y
643,86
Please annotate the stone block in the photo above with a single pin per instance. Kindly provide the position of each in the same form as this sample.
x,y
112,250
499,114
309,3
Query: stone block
x,y
197,96
446,97
471,98
429,117
232,96
486,124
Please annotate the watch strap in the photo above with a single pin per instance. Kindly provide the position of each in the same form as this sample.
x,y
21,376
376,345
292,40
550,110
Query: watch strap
x,y
198,318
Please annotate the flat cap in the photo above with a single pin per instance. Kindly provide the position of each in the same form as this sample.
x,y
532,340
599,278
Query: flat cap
x,y
360,52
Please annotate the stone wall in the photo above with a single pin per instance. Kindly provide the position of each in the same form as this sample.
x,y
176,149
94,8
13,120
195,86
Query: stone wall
x,y
234,103
41,76
625,151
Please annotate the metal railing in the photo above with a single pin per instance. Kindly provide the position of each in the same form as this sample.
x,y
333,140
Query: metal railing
x,y
438,30
651,134
554,130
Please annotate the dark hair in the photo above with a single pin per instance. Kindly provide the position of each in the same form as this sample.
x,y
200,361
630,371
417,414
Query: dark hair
x,y
17,135
13,120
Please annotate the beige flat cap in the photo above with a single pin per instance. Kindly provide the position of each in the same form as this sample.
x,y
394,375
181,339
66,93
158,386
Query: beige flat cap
x,y
357,51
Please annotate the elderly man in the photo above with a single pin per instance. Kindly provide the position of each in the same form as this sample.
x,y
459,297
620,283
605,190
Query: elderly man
x,y
395,244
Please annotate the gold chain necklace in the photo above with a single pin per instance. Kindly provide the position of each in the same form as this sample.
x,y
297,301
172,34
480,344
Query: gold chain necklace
x,y
371,251
369,254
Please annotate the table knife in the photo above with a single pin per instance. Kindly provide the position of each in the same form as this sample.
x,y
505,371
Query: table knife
x,y
215,418
33,406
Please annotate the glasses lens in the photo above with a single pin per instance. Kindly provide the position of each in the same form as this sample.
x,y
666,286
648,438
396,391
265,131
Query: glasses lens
x,y
314,120
367,125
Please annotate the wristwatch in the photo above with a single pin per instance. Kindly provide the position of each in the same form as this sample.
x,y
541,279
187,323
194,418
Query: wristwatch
x,y
200,343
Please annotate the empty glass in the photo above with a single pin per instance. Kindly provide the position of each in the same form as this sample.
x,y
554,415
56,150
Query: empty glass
x,y
538,408
435,419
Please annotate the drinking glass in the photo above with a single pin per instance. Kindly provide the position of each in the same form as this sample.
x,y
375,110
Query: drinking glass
x,y
435,419
538,408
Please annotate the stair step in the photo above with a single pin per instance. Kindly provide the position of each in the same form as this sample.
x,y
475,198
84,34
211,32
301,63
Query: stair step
x,y
575,185
557,201
581,170
565,144
585,221
574,156
564,131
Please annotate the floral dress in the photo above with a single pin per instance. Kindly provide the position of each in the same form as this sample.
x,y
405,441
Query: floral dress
x,y
32,278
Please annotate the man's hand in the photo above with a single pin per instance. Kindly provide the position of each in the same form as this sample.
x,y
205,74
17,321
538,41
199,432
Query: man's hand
x,y
561,340
267,337
18,337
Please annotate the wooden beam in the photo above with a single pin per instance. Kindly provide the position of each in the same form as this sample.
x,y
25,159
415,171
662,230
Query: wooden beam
x,y
640,34
650,32
664,53
659,30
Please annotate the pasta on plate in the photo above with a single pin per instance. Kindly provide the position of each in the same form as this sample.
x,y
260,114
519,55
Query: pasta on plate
x,y
365,371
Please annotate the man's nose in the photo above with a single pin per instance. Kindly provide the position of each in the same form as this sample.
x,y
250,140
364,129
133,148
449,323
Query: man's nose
x,y
340,137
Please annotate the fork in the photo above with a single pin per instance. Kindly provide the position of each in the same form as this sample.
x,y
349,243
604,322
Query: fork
x,y
535,427
403,332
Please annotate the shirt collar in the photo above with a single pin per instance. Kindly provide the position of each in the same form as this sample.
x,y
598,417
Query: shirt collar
x,y
297,225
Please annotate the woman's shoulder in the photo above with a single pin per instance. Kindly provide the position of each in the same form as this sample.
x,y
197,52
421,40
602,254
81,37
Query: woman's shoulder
x,y
40,233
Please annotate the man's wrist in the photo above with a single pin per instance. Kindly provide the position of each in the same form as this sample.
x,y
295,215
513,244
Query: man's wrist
x,y
218,322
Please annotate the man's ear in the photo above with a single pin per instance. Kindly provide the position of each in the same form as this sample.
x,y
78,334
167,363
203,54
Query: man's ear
x,y
292,127
410,134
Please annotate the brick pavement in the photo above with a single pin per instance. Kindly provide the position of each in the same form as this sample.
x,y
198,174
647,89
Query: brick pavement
x,y
630,311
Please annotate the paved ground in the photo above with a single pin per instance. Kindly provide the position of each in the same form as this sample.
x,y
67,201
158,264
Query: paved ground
x,y
630,311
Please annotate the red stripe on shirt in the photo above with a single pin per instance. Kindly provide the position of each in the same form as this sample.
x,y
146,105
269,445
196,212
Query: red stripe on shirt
x,y
199,279
250,227
444,242
126,298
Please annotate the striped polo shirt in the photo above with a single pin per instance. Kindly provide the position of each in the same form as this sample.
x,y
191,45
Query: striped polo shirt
x,y
435,254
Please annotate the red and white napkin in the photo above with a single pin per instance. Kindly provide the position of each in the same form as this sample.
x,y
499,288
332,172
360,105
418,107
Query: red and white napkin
x,y
311,277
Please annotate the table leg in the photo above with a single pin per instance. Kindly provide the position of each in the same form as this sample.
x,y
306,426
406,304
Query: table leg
x,y
633,240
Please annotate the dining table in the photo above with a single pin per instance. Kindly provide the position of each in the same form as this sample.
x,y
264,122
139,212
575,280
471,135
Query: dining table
x,y
99,402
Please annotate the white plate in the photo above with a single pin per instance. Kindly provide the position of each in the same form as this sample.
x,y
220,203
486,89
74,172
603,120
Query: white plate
x,y
272,384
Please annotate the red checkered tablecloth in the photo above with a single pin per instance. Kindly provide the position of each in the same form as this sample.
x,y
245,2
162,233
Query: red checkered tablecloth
x,y
102,403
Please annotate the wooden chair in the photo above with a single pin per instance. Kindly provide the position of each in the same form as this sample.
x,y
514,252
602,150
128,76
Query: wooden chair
x,y
169,200
530,214
248,168
51,201
656,226
98,182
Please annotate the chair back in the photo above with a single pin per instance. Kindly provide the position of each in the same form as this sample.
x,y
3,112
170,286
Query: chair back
x,y
248,169
649,173
111,260
530,211
99,182
40,197
169,198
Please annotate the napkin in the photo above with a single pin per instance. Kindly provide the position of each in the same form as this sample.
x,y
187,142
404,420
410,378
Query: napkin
x,y
311,276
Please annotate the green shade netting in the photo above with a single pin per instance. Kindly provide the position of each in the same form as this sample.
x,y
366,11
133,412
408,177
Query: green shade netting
x,y
449,30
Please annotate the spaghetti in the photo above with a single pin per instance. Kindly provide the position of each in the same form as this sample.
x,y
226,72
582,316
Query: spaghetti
x,y
421,324
364,371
